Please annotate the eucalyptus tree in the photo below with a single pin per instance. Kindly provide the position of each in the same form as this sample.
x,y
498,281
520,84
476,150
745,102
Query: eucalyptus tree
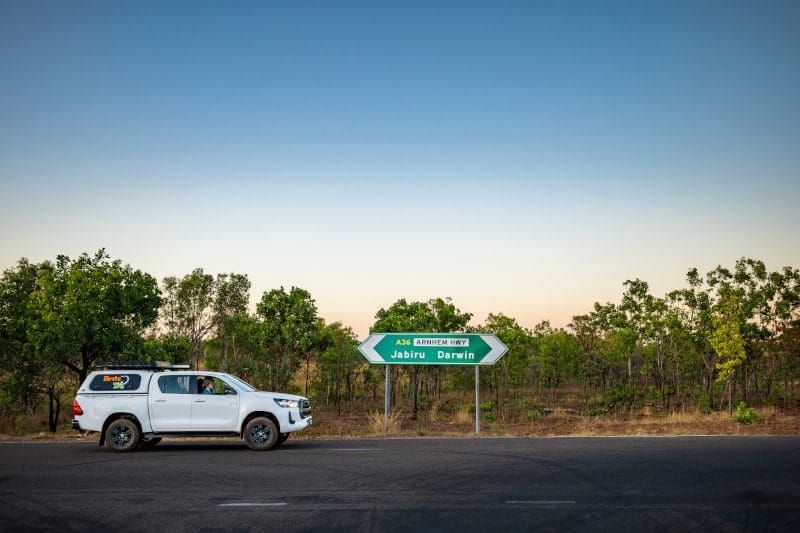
x,y
727,340
198,304
290,330
636,317
783,344
615,346
769,303
515,368
694,308
785,355
593,345
556,357
246,349
675,346
747,287
632,333
232,299
338,364
659,337
188,310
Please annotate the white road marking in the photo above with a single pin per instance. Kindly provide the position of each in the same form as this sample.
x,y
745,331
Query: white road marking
x,y
541,502
253,504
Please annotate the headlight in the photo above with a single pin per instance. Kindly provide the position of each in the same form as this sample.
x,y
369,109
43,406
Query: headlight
x,y
292,404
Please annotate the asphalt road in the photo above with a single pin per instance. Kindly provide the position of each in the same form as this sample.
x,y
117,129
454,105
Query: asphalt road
x,y
463,485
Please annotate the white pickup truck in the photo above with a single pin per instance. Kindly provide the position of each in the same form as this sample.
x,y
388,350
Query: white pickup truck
x,y
139,404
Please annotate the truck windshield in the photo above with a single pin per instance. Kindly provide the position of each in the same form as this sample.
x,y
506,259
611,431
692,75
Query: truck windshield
x,y
241,384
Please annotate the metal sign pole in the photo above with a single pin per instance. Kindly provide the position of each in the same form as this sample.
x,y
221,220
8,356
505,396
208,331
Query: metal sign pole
x,y
387,398
477,400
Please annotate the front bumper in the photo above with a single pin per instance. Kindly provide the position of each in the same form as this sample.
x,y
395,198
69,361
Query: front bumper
x,y
296,424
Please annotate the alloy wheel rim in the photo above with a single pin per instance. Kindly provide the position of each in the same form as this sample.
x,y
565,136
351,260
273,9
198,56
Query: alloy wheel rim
x,y
260,434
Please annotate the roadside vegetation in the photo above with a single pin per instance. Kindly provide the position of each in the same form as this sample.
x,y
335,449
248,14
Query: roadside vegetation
x,y
721,353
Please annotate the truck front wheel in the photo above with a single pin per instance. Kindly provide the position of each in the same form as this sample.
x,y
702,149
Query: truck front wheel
x,y
261,433
122,435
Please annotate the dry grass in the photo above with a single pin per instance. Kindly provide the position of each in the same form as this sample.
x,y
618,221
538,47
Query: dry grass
x,y
378,424
454,418
464,416
459,420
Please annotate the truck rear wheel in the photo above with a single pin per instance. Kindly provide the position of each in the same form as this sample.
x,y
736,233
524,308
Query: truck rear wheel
x,y
122,435
261,433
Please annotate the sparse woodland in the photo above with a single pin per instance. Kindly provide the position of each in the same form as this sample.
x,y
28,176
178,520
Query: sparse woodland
x,y
729,336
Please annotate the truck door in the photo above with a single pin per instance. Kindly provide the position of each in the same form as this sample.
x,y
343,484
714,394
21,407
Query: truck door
x,y
171,402
218,411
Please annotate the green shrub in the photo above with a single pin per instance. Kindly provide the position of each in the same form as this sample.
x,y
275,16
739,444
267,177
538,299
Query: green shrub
x,y
523,403
704,403
744,414
621,395
595,411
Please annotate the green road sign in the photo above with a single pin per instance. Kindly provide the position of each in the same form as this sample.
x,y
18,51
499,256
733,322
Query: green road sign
x,y
432,349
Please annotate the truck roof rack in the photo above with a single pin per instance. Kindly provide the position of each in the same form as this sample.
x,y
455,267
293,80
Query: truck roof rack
x,y
139,365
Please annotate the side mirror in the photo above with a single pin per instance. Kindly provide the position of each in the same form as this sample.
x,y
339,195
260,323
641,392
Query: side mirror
x,y
229,390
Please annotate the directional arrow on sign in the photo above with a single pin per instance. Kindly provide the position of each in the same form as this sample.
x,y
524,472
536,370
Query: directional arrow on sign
x,y
432,349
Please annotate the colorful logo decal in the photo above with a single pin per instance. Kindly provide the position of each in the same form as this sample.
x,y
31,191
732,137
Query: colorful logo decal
x,y
117,382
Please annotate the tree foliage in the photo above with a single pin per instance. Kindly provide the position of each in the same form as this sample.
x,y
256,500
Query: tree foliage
x,y
90,309
67,315
339,364
731,330
289,322
197,306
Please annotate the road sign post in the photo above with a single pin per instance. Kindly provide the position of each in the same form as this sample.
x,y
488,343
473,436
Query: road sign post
x,y
387,399
473,349
477,400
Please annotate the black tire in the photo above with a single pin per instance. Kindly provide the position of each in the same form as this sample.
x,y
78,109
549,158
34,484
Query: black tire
x,y
261,434
149,443
122,435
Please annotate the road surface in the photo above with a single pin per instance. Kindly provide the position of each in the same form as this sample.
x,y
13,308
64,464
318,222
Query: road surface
x,y
462,485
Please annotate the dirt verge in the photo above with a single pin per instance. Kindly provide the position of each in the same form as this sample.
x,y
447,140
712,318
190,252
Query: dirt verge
x,y
547,423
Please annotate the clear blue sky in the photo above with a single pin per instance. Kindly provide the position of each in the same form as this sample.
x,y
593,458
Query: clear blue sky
x,y
520,157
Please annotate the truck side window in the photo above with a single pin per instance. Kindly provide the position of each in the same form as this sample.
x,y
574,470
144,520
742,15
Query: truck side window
x,y
117,381
175,384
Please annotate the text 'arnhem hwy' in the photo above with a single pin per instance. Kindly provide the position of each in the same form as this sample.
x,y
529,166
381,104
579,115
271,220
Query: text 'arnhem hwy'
x,y
443,342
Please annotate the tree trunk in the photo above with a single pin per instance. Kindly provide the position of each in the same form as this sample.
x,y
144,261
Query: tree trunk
x,y
730,395
308,364
54,409
746,399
